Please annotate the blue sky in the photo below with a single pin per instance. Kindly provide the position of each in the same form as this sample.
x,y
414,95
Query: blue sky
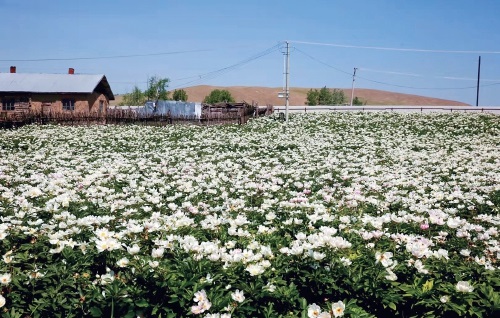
x,y
216,34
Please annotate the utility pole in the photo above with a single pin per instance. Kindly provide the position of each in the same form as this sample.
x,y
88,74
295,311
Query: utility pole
x,y
353,79
287,74
478,76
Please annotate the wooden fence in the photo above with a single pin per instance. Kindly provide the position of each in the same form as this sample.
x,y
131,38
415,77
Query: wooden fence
x,y
119,117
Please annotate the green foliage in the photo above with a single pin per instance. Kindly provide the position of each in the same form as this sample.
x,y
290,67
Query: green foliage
x,y
219,96
180,95
325,96
157,88
357,102
312,98
134,98
164,189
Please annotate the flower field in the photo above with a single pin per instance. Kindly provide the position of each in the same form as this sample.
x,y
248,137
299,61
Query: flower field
x,y
339,214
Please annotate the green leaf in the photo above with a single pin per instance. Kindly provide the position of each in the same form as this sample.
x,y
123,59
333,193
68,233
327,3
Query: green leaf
x,y
428,285
95,312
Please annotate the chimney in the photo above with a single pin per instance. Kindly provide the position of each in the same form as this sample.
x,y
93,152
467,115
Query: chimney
x,y
12,69
71,71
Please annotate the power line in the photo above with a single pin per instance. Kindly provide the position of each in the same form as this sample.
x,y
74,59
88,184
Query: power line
x,y
420,75
224,70
105,57
396,49
390,84
321,62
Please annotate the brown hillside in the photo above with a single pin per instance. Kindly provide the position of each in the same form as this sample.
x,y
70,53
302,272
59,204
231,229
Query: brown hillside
x,y
269,95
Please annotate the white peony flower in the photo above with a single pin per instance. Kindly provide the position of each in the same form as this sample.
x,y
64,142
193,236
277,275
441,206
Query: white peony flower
x,y
238,296
338,309
255,269
313,311
5,279
464,287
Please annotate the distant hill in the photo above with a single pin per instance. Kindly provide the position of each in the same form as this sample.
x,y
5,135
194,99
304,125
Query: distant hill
x,y
269,95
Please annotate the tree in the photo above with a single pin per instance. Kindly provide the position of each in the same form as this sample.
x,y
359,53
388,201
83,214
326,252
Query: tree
x,y
357,102
312,97
180,95
135,98
338,97
325,96
218,96
157,88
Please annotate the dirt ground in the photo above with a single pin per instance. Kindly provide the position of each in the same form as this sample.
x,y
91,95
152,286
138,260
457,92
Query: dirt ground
x,y
269,95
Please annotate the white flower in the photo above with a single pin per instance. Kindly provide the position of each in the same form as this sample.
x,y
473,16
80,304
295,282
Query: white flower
x,y
444,299
5,279
270,287
200,296
7,258
108,244
2,301
157,252
318,255
34,192
209,278
122,262
338,309
420,267
465,252
313,311
153,264
134,249
196,309
390,275
238,296
345,261
384,258
464,287
255,269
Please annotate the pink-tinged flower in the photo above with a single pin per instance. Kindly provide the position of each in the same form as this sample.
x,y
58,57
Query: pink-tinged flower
x,y
325,314
424,226
464,287
338,309
196,309
200,296
205,305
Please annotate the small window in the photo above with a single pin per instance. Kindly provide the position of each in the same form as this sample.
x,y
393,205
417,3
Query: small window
x,y
8,104
68,104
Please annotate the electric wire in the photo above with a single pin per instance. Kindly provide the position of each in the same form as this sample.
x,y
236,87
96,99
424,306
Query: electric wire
x,y
105,57
321,62
224,70
391,84
395,49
